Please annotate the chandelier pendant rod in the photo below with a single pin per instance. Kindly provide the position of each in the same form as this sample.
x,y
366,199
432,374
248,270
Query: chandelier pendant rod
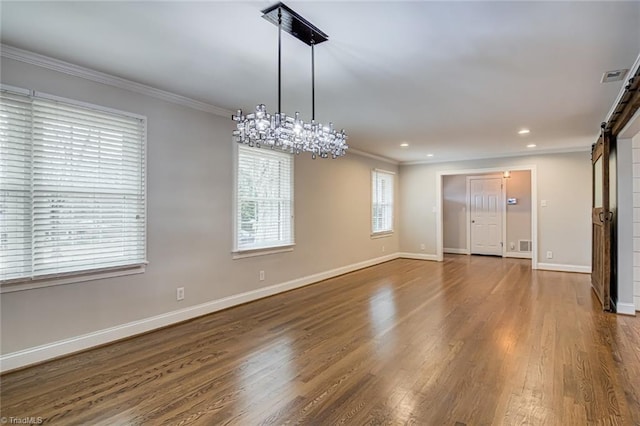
x,y
279,60
313,80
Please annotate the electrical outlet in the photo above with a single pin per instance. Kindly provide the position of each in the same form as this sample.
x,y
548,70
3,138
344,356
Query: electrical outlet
x,y
543,203
512,246
180,293
549,254
422,247
261,276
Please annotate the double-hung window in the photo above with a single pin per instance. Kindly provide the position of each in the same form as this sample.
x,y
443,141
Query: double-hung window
x,y
72,188
381,202
264,199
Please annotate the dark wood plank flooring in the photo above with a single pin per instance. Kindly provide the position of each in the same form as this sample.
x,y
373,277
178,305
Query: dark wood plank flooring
x,y
470,341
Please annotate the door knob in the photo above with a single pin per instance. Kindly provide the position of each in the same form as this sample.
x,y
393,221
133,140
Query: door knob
x,y
601,216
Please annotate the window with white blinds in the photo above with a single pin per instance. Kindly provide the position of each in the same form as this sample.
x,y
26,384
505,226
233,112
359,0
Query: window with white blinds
x,y
72,188
381,201
264,204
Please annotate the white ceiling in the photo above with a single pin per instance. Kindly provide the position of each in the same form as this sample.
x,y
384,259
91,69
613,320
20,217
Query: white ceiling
x,y
454,79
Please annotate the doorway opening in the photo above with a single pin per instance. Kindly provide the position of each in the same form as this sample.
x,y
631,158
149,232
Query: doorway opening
x,y
481,211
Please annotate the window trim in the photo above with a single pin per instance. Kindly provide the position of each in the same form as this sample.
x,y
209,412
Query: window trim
x,y
15,90
386,232
42,281
56,98
20,284
381,234
238,253
262,251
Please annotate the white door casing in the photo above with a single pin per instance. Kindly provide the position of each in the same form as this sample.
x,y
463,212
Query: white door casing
x,y
485,210
498,171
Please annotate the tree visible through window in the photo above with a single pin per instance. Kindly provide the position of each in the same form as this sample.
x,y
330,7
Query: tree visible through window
x,y
264,199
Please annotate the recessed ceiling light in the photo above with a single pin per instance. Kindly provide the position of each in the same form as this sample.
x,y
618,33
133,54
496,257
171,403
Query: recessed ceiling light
x,y
524,132
404,144
429,155
531,145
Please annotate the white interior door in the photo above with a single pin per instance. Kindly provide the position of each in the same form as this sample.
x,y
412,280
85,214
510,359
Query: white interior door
x,y
485,209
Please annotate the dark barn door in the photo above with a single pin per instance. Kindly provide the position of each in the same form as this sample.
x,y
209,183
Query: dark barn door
x,y
601,222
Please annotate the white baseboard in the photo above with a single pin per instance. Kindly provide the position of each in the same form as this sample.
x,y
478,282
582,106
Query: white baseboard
x,y
455,251
565,268
637,300
23,358
419,256
625,308
518,254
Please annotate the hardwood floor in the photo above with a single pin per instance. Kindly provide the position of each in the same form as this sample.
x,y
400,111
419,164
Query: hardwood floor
x,y
471,341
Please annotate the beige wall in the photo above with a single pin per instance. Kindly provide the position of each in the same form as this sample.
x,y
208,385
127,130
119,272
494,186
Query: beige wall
x,y
518,215
190,165
563,180
454,212
627,260
636,219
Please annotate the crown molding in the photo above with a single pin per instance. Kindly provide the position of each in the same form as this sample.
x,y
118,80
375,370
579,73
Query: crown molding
x,y
457,160
47,62
510,155
369,155
53,64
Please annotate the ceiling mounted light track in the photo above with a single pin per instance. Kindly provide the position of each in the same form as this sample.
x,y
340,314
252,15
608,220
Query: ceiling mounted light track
x,y
280,130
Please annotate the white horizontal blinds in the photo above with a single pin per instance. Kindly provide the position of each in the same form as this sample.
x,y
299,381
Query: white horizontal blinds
x,y
382,201
15,186
88,189
264,204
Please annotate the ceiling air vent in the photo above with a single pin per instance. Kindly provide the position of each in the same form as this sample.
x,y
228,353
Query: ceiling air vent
x,y
615,75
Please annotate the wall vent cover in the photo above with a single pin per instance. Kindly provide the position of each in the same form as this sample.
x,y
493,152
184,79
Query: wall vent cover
x,y
615,75
524,246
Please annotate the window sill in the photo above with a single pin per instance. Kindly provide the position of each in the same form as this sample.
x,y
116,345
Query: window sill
x,y
13,286
242,254
384,234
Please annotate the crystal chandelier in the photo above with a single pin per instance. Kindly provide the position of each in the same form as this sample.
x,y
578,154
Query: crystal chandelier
x,y
280,130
